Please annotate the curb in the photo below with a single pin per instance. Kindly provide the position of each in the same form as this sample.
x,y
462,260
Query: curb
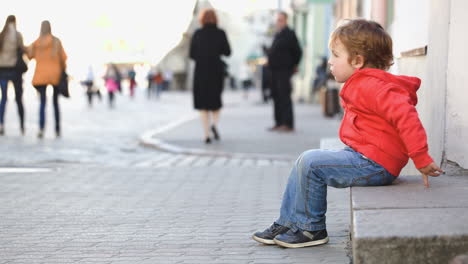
x,y
149,139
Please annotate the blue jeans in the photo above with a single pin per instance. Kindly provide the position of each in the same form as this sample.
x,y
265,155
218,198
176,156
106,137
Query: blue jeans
x,y
305,198
17,81
42,106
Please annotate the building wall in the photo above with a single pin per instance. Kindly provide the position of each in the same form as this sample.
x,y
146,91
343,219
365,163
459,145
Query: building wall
x,y
442,105
312,26
457,82
315,46
430,68
410,26
416,66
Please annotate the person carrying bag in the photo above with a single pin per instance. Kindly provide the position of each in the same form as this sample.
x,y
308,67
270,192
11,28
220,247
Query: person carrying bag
x,y
50,58
12,67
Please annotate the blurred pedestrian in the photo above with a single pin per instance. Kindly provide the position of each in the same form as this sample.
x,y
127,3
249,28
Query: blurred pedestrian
x,y
151,85
91,90
132,80
283,58
50,58
11,50
159,81
322,74
207,46
266,78
112,80
167,79
246,79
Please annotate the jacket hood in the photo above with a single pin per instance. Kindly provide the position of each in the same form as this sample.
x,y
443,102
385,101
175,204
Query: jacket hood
x,y
409,83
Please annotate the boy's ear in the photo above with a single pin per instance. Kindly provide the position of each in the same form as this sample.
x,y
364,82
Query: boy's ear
x,y
358,62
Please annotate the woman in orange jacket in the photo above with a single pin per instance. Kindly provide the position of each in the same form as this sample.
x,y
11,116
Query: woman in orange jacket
x,y
50,58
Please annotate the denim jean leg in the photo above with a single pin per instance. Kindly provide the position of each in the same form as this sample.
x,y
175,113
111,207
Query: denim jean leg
x,y
287,211
304,202
42,106
4,87
18,84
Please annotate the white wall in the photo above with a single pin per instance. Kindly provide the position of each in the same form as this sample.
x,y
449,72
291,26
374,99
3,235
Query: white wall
x,y
431,69
416,66
457,85
409,28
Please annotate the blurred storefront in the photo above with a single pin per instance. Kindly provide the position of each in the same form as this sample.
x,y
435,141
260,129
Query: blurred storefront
x,y
312,22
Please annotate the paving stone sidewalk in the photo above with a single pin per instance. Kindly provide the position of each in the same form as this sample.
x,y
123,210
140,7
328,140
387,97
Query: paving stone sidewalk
x,y
78,214
243,129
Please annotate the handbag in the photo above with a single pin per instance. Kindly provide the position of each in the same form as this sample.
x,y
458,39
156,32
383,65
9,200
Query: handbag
x,y
21,65
63,85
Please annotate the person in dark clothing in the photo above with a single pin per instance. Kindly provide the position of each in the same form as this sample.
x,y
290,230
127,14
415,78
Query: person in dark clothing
x,y
207,45
132,80
321,75
283,58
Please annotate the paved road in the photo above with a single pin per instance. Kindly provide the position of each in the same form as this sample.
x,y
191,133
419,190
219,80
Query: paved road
x,y
173,215
105,199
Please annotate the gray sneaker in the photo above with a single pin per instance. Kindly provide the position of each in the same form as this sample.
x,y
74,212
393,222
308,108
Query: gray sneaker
x,y
301,238
267,236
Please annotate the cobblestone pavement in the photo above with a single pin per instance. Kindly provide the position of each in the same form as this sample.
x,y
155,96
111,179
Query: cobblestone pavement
x,y
99,197
77,214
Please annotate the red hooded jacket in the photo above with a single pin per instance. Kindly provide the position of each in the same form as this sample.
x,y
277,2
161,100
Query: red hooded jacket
x,y
381,121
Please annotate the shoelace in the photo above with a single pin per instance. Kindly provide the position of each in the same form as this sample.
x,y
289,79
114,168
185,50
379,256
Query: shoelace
x,y
274,227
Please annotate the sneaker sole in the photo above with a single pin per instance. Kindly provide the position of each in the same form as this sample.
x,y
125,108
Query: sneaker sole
x,y
301,245
263,241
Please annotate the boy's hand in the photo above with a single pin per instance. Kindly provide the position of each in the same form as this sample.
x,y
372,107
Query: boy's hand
x,y
430,170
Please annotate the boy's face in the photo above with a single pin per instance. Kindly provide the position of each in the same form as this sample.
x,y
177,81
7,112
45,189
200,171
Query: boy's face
x,y
339,64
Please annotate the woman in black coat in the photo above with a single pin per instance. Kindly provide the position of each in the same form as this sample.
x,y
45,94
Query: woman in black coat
x,y
206,48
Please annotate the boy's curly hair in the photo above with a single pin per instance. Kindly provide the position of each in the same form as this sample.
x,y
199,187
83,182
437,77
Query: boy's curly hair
x,y
368,39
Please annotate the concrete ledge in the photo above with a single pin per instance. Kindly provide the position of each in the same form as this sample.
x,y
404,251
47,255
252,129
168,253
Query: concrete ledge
x,y
407,223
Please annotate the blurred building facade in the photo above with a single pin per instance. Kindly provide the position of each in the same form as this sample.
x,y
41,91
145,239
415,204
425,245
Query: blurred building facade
x,y
312,21
246,36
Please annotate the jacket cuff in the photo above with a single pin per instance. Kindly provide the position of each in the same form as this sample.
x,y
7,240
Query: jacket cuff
x,y
421,160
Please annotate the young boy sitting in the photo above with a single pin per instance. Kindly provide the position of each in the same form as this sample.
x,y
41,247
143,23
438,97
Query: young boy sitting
x,y
380,127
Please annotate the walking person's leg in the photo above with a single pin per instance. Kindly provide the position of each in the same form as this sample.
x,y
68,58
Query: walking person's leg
x,y
214,125
132,88
4,87
18,84
302,215
111,99
275,96
56,111
148,90
98,93
89,93
286,104
158,89
42,108
205,119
